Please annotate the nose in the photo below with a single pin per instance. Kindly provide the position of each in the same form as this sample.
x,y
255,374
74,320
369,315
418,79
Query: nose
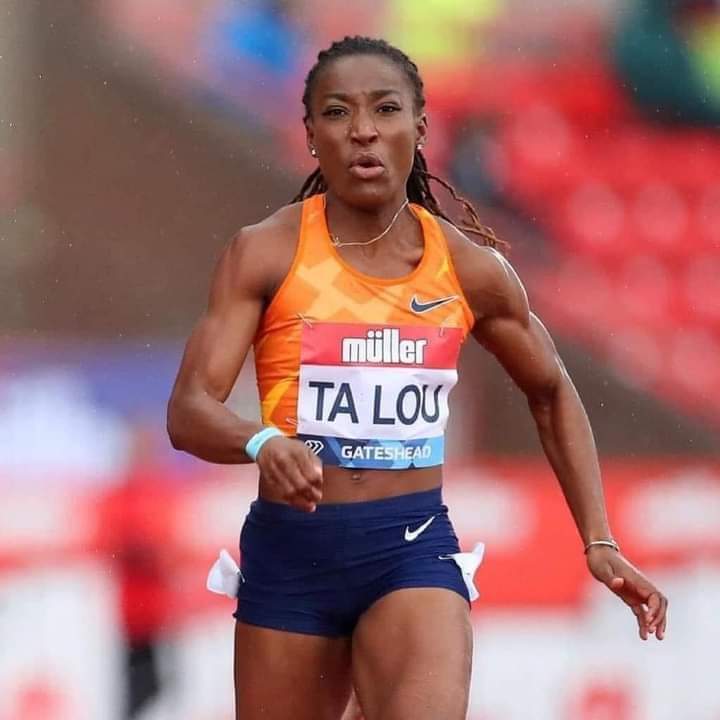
x,y
362,128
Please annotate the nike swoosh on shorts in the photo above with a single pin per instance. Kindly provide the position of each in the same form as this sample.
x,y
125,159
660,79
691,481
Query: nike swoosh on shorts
x,y
411,535
422,307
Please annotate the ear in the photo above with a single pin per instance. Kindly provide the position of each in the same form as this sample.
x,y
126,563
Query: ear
x,y
421,130
309,134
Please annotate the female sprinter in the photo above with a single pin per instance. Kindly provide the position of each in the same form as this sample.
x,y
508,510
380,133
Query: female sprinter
x,y
356,298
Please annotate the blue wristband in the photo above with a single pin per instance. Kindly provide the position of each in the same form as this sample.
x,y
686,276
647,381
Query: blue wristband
x,y
252,448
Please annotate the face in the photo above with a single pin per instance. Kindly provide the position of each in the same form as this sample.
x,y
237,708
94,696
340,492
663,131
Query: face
x,y
365,128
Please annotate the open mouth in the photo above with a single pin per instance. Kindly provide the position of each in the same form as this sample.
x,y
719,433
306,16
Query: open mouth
x,y
367,166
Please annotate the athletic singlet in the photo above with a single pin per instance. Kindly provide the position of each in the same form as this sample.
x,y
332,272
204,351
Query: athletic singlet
x,y
360,367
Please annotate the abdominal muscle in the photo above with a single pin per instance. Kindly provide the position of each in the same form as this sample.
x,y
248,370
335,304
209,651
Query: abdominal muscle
x,y
347,485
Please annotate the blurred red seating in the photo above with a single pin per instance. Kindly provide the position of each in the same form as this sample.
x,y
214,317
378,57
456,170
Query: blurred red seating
x,y
692,363
636,211
643,292
700,288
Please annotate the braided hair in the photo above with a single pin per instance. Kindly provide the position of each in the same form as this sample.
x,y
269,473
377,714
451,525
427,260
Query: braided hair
x,y
418,183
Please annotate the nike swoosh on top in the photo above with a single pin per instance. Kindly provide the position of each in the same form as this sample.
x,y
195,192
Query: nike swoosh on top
x,y
422,307
411,535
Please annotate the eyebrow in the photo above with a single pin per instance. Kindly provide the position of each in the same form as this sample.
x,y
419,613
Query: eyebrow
x,y
374,95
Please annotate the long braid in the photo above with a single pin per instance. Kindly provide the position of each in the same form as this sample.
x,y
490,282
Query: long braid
x,y
418,183
314,185
418,186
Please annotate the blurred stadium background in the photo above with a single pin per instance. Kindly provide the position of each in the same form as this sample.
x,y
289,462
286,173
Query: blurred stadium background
x,y
137,135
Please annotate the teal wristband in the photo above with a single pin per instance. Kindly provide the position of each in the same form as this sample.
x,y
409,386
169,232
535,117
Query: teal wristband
x,y
252,448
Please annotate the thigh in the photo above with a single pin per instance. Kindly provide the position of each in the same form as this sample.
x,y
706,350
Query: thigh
x,y
280,675
412,656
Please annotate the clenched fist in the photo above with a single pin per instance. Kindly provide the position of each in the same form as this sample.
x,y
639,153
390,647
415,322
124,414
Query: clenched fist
x,y
294,470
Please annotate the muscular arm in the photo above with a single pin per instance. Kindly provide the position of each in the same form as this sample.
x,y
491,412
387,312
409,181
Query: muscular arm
x,y
197,419
507,328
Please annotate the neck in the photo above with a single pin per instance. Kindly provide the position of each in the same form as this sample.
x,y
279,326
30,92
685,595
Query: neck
x,y
351,223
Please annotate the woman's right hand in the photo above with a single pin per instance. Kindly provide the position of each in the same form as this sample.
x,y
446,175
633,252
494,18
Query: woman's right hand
x,y
293,470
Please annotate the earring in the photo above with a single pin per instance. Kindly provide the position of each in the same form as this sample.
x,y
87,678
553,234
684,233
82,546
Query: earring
x,y
313,152
419,146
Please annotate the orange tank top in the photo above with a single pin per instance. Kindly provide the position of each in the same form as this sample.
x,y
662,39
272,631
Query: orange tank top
x,y
360,367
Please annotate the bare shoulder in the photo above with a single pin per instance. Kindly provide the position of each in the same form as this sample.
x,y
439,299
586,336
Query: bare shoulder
x,y
486,277
260,255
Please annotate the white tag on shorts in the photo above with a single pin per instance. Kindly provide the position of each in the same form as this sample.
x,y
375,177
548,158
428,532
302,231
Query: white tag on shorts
x,y
468,562
224,576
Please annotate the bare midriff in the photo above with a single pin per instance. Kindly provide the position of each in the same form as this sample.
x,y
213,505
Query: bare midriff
x,y
344,485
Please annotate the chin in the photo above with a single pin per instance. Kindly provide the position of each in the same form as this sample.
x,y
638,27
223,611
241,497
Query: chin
x,y
367,194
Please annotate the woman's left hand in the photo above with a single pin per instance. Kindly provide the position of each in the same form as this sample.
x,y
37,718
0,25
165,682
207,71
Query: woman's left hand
x,y
648,604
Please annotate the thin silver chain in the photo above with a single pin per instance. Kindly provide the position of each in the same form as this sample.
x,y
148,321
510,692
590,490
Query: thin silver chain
x,y
338,243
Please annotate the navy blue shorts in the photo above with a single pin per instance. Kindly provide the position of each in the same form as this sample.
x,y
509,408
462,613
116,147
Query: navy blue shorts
x,y
317,573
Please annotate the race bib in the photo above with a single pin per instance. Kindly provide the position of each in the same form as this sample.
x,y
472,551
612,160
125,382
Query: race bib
x,y
376,396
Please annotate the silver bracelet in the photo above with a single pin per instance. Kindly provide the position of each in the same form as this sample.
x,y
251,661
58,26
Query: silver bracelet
x,y
606,543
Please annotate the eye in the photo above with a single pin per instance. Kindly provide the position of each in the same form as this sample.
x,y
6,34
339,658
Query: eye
x,y
335,111
389,108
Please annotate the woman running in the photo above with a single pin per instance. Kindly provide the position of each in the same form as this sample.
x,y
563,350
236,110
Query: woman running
x,y
356,298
